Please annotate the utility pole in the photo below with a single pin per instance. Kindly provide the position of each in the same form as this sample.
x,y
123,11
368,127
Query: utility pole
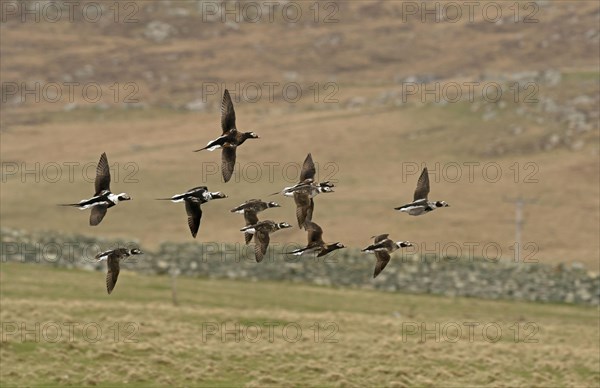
x,y
519,221
174,272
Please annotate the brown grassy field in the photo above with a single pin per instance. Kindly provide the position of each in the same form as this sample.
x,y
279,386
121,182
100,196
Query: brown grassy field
x,y
365,338
368,147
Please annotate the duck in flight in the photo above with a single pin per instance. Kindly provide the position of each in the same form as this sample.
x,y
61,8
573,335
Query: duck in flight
x,y
103,198
113,258
420,204
250,209
305,191
261,231
193,198
230,139
316,245
382,247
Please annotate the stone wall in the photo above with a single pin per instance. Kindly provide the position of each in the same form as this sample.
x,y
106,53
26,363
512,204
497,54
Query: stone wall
x,y
345,268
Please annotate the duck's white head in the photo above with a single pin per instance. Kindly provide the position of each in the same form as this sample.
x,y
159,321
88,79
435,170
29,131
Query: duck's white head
x,y
404,244
123,197
217,195
338,245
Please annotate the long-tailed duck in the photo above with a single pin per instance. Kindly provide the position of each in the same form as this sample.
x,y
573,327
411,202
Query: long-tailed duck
x,y
193,198
305,191
382,247
316,245
113,258
103,199
230,139
420,204
250,209
262,230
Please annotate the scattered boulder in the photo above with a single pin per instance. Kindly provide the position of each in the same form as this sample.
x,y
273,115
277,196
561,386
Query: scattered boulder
x,y
158,31
551,77
85,72
197,105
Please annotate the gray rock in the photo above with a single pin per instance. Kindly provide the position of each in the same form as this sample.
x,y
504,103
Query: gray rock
x,y
487,116
86,71
582,100
420,78
577,145
70,106
356,102
158,31
548,105
592,35
516,130
551,77
291,76
524,76
178,12
196,105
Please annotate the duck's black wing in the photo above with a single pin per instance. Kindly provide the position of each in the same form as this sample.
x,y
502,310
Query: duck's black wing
x,y
249,204
251,219
380,238
304,208
383,258
227,113
227,162
308,169
97,214
261,243
422,190
384,244
102,175
113,271
315,233
194,213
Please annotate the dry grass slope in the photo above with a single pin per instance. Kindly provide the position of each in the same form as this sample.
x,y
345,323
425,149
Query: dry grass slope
x,y
370,347
368,143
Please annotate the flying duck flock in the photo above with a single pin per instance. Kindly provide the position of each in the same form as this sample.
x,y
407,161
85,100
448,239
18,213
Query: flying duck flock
x,y
303,193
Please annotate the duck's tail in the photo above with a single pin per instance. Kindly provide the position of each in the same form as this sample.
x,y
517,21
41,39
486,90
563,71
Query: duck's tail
x,y
296,252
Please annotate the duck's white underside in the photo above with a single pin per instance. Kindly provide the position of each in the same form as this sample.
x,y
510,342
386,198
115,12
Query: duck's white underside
x,y
93,204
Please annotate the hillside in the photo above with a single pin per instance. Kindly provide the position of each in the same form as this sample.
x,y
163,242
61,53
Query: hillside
x,y
363,127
